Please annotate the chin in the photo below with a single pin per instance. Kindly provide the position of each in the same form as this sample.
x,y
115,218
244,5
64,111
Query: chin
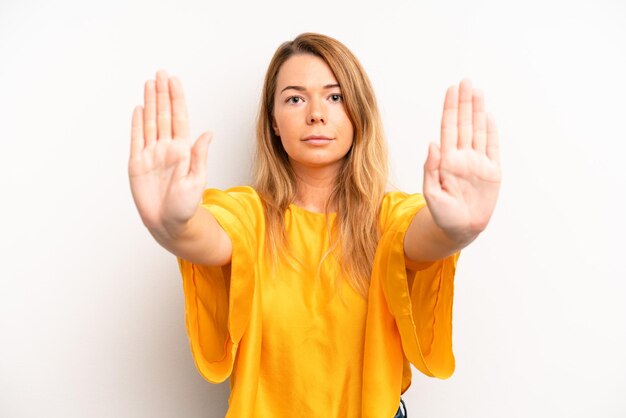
x,y
316,163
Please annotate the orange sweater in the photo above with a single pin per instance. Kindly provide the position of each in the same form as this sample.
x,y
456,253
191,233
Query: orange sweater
x,y
290,343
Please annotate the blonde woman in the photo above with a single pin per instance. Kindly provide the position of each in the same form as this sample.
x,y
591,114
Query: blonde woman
x,y
316,289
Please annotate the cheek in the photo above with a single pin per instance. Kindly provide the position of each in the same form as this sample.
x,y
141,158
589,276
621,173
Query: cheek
x,y
348,129
344,121
284,122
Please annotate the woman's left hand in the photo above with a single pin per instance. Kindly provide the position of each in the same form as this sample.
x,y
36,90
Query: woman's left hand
x,y
462,177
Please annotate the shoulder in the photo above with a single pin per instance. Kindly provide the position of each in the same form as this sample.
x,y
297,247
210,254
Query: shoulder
x,y
244,195
239,192
241,201
396,205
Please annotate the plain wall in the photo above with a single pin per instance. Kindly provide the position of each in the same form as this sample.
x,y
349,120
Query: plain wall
x,y
91,307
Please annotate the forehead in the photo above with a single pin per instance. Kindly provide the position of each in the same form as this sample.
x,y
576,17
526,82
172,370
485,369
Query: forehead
x,y
304,70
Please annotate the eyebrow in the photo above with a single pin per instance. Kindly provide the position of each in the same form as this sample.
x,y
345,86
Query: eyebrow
x,y
300,88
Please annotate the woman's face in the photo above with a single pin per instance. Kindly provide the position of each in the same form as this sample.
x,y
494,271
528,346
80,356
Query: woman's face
x,y
309,115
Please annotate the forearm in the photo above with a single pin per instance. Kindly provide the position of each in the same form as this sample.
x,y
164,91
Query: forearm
x,y
424,241
200,240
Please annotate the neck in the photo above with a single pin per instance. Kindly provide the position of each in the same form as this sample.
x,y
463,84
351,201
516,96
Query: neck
x,y
314,186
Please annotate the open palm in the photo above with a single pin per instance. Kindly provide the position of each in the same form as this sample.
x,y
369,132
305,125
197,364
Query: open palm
x,y
167,175
462,177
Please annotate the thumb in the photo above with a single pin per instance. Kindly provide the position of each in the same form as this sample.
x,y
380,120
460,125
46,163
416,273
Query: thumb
x,y
431,170
199,151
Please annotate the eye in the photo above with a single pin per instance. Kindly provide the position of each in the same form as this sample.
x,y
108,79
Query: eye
x,y
294,99
336,98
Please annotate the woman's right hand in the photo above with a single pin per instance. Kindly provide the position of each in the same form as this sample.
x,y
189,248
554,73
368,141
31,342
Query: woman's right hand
x,y
167,174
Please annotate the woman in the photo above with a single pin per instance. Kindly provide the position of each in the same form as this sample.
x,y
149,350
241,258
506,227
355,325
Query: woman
x,y
315,289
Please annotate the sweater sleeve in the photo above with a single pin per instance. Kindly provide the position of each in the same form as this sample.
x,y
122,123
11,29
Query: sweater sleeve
x,y
218,300
419,296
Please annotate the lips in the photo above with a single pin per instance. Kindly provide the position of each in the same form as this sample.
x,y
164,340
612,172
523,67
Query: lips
x,y
317,138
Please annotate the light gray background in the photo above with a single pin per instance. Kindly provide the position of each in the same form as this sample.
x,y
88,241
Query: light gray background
x,y
91,307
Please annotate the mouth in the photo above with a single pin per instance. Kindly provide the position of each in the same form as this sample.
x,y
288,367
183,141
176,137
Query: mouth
x,y
317,139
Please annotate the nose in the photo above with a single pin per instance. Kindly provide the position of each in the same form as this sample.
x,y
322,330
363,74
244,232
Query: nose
x,y
316,113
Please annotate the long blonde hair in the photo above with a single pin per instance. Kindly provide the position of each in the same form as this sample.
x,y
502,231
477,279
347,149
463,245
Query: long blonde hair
x,y
360,184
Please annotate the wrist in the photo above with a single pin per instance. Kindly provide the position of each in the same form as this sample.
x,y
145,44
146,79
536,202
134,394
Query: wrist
x,y
168,231
452,237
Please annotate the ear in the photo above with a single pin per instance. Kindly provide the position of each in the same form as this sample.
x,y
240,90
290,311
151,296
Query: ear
x,y
275,126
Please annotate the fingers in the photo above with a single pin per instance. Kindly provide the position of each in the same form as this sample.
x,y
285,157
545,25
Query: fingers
x,y
198,164
180,118
136,132
465,114
165,115
149,114
464,121
432,182
479,120
164,112
449,120
493,140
